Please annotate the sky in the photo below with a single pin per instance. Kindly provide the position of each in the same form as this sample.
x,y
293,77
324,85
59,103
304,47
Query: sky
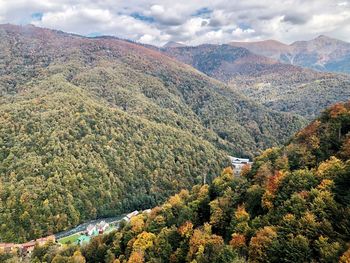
x,y
190,22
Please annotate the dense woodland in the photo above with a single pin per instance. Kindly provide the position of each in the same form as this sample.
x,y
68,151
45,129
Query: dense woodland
x,y
292,205
65,159
93,127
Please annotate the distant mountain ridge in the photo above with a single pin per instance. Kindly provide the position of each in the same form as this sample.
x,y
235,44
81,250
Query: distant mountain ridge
x,y
322,53
280,86
173,44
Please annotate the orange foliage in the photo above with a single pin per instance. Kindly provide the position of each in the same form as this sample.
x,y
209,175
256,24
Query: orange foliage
x,y
200,239
271,188
241,214
309,130
245,170
345,149
136,257
264,172
228,170
137,223
273,182
345,258
260,242
186,229
238,240
337,109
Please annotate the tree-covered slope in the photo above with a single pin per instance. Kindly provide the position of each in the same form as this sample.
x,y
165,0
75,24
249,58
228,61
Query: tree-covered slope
x,y
66,158
302,92
142,82
96,127
278,86
291,206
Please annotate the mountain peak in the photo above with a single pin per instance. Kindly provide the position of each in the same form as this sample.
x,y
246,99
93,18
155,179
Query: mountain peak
x,y
174,44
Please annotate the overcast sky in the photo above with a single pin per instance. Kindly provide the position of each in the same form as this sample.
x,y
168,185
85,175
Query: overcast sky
x,y
190,22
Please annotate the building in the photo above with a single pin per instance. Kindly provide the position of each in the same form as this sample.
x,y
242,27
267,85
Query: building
x,y
130,215
27,248
102,227
91,230
238,164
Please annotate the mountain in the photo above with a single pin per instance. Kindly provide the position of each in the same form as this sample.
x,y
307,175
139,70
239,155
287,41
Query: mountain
x,y
94,127
279,86
322,53
292,205
171,44
268,48
224,62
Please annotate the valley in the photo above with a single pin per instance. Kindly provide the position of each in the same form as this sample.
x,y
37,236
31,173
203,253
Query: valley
x,y
121,150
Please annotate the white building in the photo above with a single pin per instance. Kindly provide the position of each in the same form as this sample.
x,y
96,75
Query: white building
x,y
130,215
102,226
91,229
239,163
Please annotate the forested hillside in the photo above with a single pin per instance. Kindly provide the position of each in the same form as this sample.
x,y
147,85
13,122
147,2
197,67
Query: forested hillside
x,y
96,127
291,206
281,87
141,82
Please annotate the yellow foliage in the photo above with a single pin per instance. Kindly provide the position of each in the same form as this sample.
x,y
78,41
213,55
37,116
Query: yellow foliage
x,y
203,192
137,223
328,168
184,194
326,185
241,214
143,241
78,257
175,201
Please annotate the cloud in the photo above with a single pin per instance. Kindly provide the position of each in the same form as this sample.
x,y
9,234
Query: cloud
x,y
295,19
191,22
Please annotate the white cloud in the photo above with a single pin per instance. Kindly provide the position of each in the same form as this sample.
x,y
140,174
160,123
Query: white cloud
x,y
191,22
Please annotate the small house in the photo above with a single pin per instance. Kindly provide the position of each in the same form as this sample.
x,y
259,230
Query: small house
x,y
91,230
102,227
238,164
27,248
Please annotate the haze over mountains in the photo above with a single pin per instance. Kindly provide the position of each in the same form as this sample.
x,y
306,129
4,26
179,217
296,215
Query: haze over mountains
x,y
280,86
322,53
